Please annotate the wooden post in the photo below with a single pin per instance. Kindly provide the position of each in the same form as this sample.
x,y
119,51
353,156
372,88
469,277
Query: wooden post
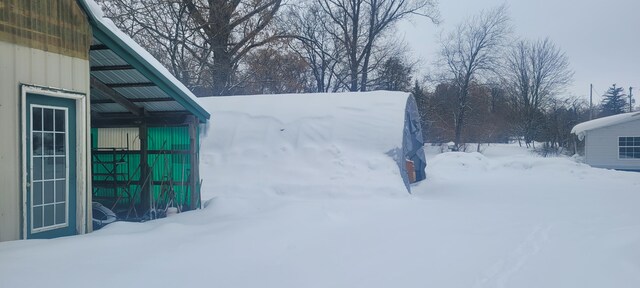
x,y
145,191
194,176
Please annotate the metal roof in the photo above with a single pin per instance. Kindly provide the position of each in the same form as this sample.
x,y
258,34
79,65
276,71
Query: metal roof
x,y
125,79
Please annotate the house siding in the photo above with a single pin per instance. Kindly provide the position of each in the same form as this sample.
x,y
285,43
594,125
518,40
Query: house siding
x,y
24,65
601,147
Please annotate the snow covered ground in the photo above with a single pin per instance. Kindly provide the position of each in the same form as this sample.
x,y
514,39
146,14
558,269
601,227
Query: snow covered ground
x,y
293,208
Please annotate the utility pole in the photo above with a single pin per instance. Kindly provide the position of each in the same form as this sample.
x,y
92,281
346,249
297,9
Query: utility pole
x,y
590,101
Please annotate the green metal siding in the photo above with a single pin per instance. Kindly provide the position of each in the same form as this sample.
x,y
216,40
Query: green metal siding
x,y
171,162
168,158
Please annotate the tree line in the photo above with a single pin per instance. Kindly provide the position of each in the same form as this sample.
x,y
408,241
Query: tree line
x,y
487,86
230,47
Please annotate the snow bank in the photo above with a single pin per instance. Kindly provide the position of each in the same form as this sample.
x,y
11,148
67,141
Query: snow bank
x,y
505,218
326,144
302,194
581,129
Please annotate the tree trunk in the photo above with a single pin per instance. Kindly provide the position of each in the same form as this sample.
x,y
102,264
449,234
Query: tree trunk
x,y
353,53
222,70
365,67
459,124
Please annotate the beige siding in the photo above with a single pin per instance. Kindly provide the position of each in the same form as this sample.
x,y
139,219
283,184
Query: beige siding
x,y
120,138
601,148
22,65
56,26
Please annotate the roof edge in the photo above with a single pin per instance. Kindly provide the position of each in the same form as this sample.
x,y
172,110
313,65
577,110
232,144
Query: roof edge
x,y
163,81
582,128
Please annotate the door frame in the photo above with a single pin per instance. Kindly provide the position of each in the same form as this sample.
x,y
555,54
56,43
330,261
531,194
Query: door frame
x,y
81,123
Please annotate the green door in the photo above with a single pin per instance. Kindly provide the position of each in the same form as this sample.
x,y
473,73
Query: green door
x,y
51,166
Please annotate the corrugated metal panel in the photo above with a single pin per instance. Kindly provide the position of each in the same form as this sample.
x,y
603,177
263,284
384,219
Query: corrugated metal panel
x,y
174,167
162,106
98,95
107,107
142,92
108,191
106,33
105,58
123,138
169,161
120,76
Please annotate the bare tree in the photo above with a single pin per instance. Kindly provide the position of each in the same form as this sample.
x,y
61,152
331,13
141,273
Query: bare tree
x,y
361,23
205,39
165,30
472,48
273,70
232,28
314,42
535,72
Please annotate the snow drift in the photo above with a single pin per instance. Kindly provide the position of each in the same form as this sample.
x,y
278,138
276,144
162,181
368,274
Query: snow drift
x,y
341,144
298,200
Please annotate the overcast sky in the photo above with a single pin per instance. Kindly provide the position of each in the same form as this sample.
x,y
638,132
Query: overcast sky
x,y
600,38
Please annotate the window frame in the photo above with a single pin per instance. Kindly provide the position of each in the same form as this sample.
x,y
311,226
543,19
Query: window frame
x,y
635,145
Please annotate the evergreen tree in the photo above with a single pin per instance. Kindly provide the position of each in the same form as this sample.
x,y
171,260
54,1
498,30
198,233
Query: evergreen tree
x,y
395,75
614,101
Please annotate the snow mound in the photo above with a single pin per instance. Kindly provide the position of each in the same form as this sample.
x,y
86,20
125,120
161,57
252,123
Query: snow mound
x,y
311,145
512,219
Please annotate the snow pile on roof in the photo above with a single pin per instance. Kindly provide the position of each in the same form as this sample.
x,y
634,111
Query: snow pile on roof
x,y
583,127
98,15
324,143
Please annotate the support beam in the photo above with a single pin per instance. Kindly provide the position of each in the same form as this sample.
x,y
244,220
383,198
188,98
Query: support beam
x,y
112,68
98,47
131,85
194,176
145,170
142,100
117,97
121,119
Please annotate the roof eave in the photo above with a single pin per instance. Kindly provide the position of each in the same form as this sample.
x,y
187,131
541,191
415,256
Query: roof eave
x,y
106,36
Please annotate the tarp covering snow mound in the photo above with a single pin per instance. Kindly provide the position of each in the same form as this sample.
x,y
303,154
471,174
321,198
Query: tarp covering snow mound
x,y
341,144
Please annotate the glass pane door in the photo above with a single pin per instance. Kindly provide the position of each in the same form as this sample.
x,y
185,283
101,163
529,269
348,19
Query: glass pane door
x,y
50,173
51,166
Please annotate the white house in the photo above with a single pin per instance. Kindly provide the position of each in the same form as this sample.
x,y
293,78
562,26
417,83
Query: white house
x,y
611,142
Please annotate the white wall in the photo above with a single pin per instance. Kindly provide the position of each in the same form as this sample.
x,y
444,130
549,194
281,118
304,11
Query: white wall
x,y
601,147
22,65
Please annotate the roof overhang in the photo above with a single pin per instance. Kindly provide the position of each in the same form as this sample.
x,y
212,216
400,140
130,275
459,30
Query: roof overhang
x,y
128,83
581,129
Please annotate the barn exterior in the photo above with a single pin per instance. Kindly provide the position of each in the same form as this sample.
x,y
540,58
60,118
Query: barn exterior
x,y
70,83
611,142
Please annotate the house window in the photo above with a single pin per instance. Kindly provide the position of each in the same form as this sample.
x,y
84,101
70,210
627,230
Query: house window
x,y
629,147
